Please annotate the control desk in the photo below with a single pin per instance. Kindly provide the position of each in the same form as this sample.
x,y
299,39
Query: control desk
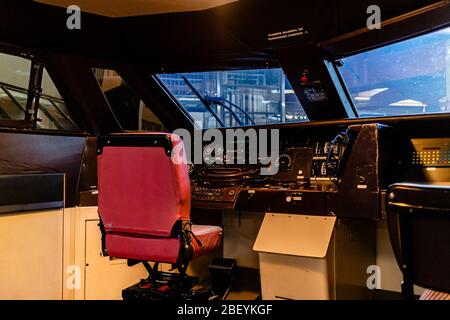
x,y
343,173
338,172
304,173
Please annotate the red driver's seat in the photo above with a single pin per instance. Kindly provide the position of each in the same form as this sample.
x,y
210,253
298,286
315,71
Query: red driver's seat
x,y
144,201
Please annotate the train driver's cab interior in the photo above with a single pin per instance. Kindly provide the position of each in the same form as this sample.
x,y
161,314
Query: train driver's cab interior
x,y
221,150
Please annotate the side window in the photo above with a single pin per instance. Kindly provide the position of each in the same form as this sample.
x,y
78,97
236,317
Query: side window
x,y
410,77
52,105
131,112
14,80
17,109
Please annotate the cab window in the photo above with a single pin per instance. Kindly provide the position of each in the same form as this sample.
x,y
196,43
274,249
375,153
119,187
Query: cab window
x,y
17,107
411,77
131,112
235,98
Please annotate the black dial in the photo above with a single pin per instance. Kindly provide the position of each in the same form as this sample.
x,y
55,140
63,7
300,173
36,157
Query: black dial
x,y
284,162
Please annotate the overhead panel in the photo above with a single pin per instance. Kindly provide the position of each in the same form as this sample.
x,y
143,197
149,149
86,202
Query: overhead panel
x,y
279,23
121,8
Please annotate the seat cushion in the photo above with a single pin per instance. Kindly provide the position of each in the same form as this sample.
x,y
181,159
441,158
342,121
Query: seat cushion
x,y
209,236
162,249
143,249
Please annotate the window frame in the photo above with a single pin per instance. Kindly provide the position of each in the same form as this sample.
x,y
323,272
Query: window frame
x,y
34,94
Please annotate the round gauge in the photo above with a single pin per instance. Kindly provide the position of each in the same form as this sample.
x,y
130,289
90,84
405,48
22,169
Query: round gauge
x,y
219,153
213,153
207,150
284,161
190,166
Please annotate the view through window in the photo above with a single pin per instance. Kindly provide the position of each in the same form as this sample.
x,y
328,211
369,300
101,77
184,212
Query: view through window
x,y
408,77
131,112
236,98
14,82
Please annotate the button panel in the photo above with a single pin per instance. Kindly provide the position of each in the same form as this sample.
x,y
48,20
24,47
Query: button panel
x,y
431,158
201,193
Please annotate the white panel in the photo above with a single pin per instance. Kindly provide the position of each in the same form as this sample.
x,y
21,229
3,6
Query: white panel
x,y
106,277
290,277
31,255
293,234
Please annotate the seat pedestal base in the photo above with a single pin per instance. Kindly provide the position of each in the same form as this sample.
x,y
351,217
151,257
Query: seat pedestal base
x,y
167,286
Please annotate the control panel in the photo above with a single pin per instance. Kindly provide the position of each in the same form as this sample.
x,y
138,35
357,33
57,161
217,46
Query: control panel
x,y
217,186
299,164
342,170
428,160
303,173
319,160
431,153
214,197
294,164
306,198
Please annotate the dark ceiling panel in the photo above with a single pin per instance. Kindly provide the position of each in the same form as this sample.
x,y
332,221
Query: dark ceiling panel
x,y
37,26
231,36
267,24
353,13
170,36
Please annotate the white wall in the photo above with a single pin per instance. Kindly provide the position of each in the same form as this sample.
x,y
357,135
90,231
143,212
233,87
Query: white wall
x,y
31,255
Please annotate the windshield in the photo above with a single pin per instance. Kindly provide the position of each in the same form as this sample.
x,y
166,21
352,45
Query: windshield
x,y
408,77
235,98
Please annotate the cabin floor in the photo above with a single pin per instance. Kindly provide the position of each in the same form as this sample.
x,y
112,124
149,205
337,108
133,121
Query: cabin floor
x,y
248,287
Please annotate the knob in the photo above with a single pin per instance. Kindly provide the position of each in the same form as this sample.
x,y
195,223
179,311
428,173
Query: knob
x,y
288,199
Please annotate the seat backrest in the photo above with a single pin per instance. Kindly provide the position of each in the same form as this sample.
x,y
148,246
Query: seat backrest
x,y
143,183
419,227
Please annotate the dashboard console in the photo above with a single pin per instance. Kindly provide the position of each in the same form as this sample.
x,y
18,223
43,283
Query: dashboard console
x,y
338,171
305,173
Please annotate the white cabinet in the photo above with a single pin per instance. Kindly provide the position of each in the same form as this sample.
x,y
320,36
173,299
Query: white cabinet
x,y
31,255
101,278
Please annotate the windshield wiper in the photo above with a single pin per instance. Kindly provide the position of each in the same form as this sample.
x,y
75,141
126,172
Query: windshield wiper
x,y
208,100
217,101
203,101
220,101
